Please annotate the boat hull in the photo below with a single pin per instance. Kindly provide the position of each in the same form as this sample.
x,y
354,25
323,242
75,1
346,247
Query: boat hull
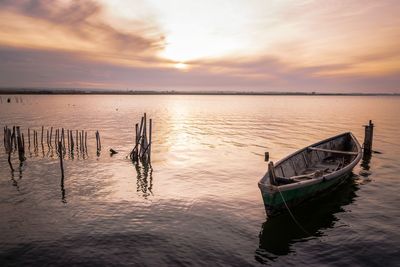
x,y
309,172
274,201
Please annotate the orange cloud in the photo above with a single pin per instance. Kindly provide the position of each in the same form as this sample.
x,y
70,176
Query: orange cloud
x,y
76,26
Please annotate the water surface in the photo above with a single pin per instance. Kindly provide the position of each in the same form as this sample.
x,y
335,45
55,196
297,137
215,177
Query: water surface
x,y
198,204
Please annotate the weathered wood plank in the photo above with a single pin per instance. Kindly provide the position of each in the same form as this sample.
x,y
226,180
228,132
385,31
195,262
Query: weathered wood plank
x,y
333,151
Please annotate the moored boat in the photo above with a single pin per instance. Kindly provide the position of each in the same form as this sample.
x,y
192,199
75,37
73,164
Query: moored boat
x,y
309,172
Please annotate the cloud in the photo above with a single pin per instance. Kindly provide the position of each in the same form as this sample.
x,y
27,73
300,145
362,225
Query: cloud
x,y
35,68
79,26
309,46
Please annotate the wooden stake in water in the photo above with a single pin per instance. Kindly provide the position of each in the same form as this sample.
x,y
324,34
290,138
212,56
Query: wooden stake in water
x,y
9,147
150,130
80,141
61,159
369,134
63,138
14,138
20,146
72,142
86,142
57,139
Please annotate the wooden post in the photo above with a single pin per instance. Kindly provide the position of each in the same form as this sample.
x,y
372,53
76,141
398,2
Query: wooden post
x,y
266,156
271,172
86,142
136,132
20,146
83,142
369,133
23,141
99,140
80,141
72,142
63,137
150,130
56,140
61,159
14,139
9,147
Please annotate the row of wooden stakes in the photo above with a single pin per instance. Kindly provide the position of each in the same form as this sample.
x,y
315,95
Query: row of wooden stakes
x,y
14,140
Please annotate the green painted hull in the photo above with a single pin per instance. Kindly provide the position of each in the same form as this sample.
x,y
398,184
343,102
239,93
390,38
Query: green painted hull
x,y
274,203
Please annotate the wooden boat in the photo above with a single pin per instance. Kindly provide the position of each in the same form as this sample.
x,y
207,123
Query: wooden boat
x,y
309,172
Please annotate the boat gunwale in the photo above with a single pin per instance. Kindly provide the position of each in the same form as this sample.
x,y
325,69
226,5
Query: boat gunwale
x,y
273,188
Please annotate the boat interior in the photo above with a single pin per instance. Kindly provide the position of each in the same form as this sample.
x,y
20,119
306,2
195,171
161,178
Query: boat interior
x,y
315,161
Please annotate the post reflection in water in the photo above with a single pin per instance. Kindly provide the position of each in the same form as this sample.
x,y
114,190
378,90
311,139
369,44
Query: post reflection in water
x,y
278,234
144,183
63,197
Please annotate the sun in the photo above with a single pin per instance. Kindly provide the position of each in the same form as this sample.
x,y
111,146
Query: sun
x,y
181,66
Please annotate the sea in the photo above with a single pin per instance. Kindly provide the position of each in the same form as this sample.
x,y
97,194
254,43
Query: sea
x,y
196,203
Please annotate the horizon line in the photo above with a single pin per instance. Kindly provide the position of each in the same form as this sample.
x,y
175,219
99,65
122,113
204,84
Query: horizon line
x,y
85,91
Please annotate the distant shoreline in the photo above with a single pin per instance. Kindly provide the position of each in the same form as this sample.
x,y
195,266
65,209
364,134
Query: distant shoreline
x,y
131,92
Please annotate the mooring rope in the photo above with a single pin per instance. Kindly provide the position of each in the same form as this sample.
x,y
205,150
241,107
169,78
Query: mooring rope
x,y
291,214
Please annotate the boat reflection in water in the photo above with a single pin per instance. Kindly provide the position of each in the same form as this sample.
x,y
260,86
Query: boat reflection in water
x,y
279,233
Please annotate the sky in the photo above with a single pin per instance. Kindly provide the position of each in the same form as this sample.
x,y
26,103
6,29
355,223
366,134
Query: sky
x,y
224,45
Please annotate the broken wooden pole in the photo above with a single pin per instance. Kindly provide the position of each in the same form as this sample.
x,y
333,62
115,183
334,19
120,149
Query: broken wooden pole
x,y
369,134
